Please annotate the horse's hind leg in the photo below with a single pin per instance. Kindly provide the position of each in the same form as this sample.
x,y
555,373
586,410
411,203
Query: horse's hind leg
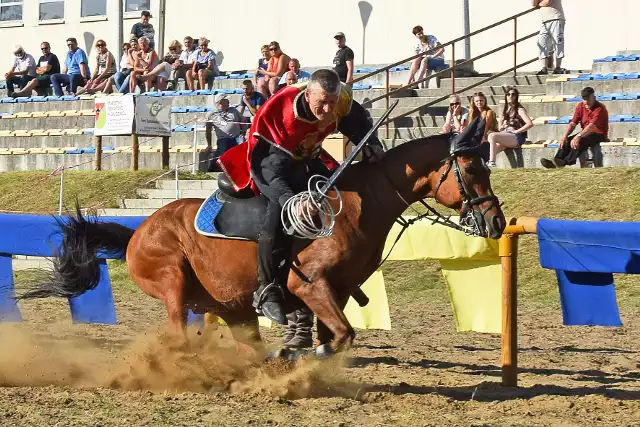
x,y
246,332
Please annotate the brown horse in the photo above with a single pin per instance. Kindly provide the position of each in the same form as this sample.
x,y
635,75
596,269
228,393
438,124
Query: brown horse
x,y
170,261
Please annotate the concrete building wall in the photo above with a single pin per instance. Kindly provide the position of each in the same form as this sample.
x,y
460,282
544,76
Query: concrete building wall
x,y
305,29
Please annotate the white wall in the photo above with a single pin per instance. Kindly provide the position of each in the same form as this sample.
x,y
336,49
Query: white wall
x,y
304,29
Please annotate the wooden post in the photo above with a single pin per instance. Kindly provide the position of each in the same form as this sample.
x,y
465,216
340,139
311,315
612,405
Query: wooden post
x,y
135,150
165,152
508,251
97,144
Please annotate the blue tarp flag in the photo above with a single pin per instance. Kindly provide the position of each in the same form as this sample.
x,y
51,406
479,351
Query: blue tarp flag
x,y
584,255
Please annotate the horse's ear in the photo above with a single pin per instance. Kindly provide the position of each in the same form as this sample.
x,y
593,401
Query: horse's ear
x,y
470,138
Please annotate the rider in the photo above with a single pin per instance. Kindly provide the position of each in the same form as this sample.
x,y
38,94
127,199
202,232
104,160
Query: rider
x,y
283,151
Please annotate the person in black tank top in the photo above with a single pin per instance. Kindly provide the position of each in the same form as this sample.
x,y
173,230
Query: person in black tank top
x,y
514,124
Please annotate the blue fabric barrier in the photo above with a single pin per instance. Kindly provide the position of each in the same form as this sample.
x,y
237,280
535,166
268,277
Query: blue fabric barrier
x,y
587,253
38,235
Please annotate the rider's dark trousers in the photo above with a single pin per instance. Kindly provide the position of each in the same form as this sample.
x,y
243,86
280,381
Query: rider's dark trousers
x,y
274,247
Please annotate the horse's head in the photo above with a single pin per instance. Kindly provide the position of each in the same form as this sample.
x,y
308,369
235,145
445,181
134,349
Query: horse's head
x,y
463,183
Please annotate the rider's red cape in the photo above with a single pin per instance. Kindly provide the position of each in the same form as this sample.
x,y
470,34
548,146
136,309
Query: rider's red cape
x,y
279,123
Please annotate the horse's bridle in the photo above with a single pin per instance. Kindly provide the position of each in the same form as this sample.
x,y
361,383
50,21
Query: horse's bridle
x,y
471,221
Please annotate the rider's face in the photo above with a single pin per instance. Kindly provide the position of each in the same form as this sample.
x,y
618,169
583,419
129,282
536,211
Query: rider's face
x,y
321,103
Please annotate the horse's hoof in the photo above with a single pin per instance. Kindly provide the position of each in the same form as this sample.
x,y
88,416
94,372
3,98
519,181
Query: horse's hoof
x,y
324,351
296,354
281,353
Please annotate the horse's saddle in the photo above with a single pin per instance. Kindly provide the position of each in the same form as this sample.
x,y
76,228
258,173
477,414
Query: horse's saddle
x,y
229,214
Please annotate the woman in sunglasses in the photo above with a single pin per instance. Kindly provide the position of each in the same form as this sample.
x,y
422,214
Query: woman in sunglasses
x,y
104,69
454,122
515,123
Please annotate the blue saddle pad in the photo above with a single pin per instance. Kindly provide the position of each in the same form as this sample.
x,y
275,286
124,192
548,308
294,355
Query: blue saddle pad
x,y
206,216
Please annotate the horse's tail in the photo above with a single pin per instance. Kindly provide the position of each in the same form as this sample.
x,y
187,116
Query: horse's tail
x,y
76,268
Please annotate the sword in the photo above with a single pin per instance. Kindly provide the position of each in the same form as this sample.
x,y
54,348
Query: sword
x,y
336,174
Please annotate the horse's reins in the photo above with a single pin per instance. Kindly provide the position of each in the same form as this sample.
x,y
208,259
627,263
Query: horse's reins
x,y
471,228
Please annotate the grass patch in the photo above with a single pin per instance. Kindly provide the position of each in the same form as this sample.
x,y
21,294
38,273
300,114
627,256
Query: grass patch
x,y
31,192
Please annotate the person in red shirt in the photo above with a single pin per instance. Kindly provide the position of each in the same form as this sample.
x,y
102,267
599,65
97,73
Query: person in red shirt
x,y
593,119
283,151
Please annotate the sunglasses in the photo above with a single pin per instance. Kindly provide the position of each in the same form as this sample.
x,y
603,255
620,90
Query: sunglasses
x,y
204,45
101,45
45,48
273,48
455,103
70,44
512,94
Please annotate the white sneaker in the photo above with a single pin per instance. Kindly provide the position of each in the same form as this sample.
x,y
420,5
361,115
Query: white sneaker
x,y
491,165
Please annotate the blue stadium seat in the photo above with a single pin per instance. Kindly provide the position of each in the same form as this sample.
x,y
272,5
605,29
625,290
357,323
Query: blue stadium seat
x,y
634,119
604,98
365,70
69,98
108,148
361,86
89,131
184,92
247,76
605,59
179,109
614,76
196,109
561,120
620,118
633,57
8,101
634,75
235,76
575,99
204,92
3,85
38,98
399,68
553,145
221,78
23,99
76,151
617,96
182,128
53,98
88,150
238,91
168,93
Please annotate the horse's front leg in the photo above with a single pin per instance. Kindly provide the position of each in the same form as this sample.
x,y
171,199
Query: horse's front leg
x,y
320,299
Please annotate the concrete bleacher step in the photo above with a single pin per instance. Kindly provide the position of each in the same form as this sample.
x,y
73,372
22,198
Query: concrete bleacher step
x,y
165,193
198,184
126,212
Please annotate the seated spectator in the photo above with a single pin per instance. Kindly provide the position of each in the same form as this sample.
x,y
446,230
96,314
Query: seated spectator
x,y
175,49
263,63
76,70
145,60
593,119
160,74
251,100
294,67
22,71
104,69
278,64
456,115
48,64
343,60
479,107
125,68
226,122
426,63
290,78
144,29
184,63
513,130
204,65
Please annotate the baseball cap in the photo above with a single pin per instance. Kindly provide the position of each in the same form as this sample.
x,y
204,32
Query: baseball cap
x,y
219,97
146,13
339,35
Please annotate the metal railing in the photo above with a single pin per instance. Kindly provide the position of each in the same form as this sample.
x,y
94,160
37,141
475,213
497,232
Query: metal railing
x,y
386,69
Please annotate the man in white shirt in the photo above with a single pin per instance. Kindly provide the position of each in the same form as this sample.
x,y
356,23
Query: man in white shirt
x,y
551,37
434,61
184,63
22,71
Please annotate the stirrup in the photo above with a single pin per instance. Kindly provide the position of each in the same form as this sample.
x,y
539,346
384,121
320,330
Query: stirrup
x,y
259,299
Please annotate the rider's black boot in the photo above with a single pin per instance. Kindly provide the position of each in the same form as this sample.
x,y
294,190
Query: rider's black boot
x,y
269,301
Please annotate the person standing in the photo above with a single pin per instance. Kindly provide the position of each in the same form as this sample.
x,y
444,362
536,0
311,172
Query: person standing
x,y
144,29
551,37
343,61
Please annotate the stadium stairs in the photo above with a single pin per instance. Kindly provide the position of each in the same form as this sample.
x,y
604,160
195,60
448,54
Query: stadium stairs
x,y
44,133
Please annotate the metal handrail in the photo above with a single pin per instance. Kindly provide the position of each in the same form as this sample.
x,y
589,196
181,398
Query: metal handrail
x,y
451,42
442,98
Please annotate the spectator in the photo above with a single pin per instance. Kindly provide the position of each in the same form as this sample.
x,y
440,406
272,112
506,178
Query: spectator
x,y
204,65
513,130
184,63
277,66
593,118
22,71
290,78
227,122
480,107
456,115
125,68
105,68
294,67
551,37
144,29
76,71
160,74
251,99
343,61
48,64
263,63
433,61
145,60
